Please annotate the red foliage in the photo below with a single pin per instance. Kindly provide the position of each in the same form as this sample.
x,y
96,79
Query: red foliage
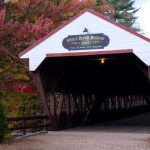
x,y
21,24
24,88
29,20
23,5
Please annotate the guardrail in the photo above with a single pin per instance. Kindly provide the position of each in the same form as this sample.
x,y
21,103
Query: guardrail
x,y
25,124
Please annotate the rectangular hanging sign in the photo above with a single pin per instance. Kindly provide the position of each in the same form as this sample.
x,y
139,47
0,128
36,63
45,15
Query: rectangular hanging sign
x,y
86,41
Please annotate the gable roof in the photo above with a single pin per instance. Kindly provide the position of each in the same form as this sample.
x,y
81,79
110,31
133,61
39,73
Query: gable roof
x,y
119,38
77,16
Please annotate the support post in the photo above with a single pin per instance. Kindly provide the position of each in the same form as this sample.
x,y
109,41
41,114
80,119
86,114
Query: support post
x,y
149,74
67,104
53,112
39,85
59,109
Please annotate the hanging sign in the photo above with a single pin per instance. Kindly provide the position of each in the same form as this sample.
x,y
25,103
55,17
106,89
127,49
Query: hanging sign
x,y
86,41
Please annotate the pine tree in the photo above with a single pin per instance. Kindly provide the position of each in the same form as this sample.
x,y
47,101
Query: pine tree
x,y
124,13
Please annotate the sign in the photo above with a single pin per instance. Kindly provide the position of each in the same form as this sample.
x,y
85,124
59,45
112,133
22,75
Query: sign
x,y
86,41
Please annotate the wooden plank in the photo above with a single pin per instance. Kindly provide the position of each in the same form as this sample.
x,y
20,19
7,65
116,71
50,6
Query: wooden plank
x,y
125,99
87,103
29,127
116,103
54,121
76,103
52,104
80,104
106,104
147,99
59,109
60,104
122,102
128,102
67,104
112,102
39,85
83,103
133,101
72,104
27,118
119,104
25,124
109,103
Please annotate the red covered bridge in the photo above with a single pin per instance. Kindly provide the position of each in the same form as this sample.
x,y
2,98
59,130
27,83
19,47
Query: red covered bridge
x,y
90,69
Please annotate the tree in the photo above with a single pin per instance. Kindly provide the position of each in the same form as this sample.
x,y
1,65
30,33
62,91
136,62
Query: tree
x,y
124,13
3,124
101,6
22,22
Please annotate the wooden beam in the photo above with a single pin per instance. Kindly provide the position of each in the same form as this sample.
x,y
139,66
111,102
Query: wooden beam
x,y
67,105
83,103
72,104
60,104
149,73
119,104
53,112
147,99
52,104
80,104
112,102
39,86
140,66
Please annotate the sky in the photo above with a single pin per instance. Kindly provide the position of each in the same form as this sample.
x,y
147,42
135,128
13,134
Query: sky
x,y
143,15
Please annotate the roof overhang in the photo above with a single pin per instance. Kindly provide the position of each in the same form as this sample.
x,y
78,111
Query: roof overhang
x,y
123,51
116,39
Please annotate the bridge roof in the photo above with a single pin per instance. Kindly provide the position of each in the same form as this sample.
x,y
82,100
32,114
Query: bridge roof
x,y
79,35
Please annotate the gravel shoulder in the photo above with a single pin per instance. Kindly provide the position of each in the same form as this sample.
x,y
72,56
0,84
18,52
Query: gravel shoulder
x,y
116,135
70,140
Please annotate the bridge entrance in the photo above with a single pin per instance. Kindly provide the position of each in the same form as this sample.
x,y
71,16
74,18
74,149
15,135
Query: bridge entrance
x,y
83,89
90,69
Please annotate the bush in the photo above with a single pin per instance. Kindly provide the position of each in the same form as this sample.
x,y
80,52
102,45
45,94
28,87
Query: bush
x,y
3,124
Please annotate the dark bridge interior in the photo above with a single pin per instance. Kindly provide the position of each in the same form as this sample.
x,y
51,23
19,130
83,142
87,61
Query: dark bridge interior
x,y
118,74
85,89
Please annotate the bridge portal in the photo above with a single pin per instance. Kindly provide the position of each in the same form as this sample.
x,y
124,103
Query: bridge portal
x,y
90,69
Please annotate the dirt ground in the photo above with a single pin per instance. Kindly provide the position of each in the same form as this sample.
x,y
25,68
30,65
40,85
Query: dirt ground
x,y
126,134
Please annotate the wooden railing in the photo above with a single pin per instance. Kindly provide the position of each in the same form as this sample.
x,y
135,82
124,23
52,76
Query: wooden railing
x,y
23,123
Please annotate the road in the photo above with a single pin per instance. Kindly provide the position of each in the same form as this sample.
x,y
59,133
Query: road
x,y
125,134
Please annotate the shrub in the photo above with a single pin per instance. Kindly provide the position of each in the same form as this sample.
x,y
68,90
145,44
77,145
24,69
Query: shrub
x,y
3,124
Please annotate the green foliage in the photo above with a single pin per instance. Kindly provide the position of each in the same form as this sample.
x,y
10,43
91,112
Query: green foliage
x,y
124,13
98,2
20,104
101,6
3,124
22,22
57,2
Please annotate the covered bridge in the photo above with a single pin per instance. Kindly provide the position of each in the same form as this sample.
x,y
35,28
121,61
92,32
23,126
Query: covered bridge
x,y
89,67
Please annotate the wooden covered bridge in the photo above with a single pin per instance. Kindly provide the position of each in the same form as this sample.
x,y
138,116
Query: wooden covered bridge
x,y
90,69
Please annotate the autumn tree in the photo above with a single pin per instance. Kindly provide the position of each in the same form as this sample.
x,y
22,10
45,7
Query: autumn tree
x,y
101,6
22,22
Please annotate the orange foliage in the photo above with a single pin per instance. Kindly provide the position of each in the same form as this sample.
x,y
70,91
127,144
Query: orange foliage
x,y
101,6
